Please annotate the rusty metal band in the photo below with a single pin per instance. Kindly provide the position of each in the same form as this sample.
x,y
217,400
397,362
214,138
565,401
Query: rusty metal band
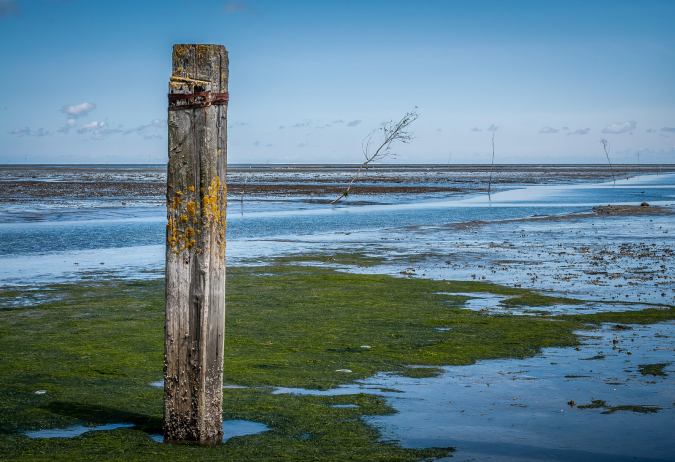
x,y
197,100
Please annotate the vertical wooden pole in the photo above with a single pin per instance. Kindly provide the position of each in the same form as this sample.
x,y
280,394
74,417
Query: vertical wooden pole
x,y
195,244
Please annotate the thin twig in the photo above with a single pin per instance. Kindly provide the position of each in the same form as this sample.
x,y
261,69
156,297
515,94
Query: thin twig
x,y
606,147
493,162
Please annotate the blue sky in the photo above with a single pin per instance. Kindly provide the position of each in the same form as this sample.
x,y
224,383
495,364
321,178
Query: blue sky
x,y
86,82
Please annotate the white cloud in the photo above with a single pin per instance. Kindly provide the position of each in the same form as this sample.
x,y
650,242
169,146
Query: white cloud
x,y
493,128
354,123
476,129
8,7
70,123
620,127
581,131
78,110
99,130
548,130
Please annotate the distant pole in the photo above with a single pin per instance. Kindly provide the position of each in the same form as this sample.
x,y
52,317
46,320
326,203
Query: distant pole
x,y
195,244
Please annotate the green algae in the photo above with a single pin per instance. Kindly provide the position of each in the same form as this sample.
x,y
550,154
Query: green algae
x,y
653,369
600,404
95,347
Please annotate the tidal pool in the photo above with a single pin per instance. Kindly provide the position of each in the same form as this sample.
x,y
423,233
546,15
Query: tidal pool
x,y
533,409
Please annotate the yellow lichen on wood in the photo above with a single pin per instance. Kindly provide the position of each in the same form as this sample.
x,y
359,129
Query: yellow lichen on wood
x,y
191,209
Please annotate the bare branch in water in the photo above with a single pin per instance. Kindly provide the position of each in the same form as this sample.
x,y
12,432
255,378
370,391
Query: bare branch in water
x,y
390,133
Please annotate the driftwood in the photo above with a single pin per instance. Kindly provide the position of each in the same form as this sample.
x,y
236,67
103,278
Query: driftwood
x,y
195,244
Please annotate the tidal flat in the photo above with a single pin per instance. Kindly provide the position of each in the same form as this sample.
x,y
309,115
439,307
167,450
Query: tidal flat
x,y
537,323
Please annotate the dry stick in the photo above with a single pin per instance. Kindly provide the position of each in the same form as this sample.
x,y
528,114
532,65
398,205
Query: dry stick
x,y
605,145
493,162
243,190
391,133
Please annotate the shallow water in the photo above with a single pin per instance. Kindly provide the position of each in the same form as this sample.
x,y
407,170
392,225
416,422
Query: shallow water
x,y
518,409
128,238
75,430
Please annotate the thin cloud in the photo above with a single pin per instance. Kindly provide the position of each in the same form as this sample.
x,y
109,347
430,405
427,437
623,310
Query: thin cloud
x,y
8,7
234,7
156,124
78,110
269,145
476,129
303,144
668,129
649,130
354,123
566,128
338,121
20,132
493,128
257,143
306,123
620,127
581,131
281,127
548,130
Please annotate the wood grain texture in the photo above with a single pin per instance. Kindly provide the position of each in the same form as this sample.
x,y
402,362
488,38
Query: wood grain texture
x,y
195,250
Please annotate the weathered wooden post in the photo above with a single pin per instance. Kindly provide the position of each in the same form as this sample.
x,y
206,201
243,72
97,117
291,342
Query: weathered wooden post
x,y
195,244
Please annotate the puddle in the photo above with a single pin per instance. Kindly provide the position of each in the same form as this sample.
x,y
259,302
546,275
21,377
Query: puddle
x,y
231,428
518,409
73,431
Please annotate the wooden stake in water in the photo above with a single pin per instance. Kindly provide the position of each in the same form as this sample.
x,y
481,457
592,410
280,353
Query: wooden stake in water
x,y
195,244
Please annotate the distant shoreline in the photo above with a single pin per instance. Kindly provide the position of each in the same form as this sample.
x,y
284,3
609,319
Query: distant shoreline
x,y
349,166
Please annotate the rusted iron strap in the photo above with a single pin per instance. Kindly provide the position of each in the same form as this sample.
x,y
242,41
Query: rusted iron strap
x,y
197,100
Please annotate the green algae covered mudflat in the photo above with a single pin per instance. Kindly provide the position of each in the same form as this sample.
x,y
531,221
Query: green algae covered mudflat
x,y
95,348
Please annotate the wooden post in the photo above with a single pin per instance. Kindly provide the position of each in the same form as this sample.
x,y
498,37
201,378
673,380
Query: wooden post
x,y
195,244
